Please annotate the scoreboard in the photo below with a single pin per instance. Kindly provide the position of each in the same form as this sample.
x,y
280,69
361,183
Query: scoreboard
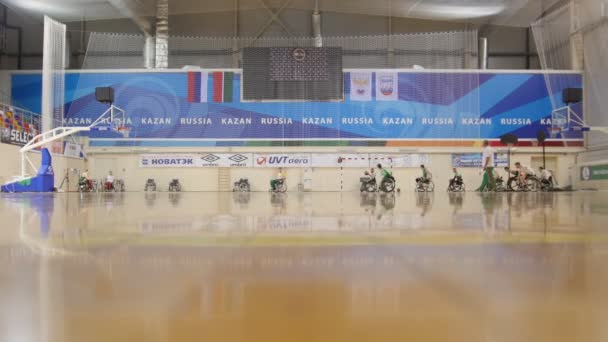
x,y
292,74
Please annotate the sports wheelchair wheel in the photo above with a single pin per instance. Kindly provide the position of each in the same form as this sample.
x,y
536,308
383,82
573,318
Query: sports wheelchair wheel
x,y
532,183
281,187
388,186
456,188
425,187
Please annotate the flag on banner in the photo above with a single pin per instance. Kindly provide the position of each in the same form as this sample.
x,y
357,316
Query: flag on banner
x,y
222,86
197,87
387,86
360,86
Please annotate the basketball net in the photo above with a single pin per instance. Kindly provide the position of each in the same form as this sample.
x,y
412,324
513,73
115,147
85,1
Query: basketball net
x,y
123,130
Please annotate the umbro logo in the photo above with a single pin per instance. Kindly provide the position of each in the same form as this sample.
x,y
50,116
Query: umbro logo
x,y
238,158
210,158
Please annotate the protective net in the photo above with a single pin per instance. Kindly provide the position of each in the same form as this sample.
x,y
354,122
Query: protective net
x,y
114,51
593,15
559,47
436,50
573,37
382,98
53,74
363,109
553,43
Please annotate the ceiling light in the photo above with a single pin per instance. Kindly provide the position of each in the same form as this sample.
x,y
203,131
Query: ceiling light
x,y
458,12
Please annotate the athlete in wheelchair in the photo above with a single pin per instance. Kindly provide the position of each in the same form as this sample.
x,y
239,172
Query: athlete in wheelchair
x,y
278,184
546,179
425,183
513,177
85,184
109,184
456,182
112,184
526,178
387,184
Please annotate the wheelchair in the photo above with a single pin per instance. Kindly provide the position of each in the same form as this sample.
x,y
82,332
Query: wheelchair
x,y
175,186
280,186
368,184
117,186
86,185
150,185
424,185
500,185
546,184
456,185
388,184
530,184
242,185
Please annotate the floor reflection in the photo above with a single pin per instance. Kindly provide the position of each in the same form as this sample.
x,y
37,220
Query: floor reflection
x,y
303,267
110,216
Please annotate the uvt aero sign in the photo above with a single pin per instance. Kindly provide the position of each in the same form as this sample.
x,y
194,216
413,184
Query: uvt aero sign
x,y
282,160
594,172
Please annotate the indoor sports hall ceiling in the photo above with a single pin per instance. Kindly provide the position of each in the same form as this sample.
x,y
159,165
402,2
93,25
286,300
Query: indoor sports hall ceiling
x,y
501,12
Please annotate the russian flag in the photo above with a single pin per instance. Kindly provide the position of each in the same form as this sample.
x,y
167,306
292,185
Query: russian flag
x,y
197,87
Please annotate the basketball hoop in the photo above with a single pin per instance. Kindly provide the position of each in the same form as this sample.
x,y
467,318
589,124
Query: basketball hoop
x,y
554,132
123,130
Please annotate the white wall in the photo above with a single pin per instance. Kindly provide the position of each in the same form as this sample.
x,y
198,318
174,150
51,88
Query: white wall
x,y
597,157
11,161
5,85
126,166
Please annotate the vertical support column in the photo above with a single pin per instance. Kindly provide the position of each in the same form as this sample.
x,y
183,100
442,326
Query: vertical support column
x,y
81,51
482,53
23,167
576,38
149,52
391,49
235,42
19,48
47,79
162,34
471,47
316,26
3,35
576,51
528,33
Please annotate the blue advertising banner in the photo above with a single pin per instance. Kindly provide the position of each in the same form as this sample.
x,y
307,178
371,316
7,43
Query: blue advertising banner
x,y
205,108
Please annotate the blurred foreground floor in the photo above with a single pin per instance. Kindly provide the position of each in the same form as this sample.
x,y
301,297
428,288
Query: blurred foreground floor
x,y
304,267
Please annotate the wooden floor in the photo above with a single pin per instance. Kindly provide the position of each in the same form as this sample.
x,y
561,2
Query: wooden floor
x,y
304,267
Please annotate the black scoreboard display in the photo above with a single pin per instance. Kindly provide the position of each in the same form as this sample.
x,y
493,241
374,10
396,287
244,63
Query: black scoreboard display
x,y
292,73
